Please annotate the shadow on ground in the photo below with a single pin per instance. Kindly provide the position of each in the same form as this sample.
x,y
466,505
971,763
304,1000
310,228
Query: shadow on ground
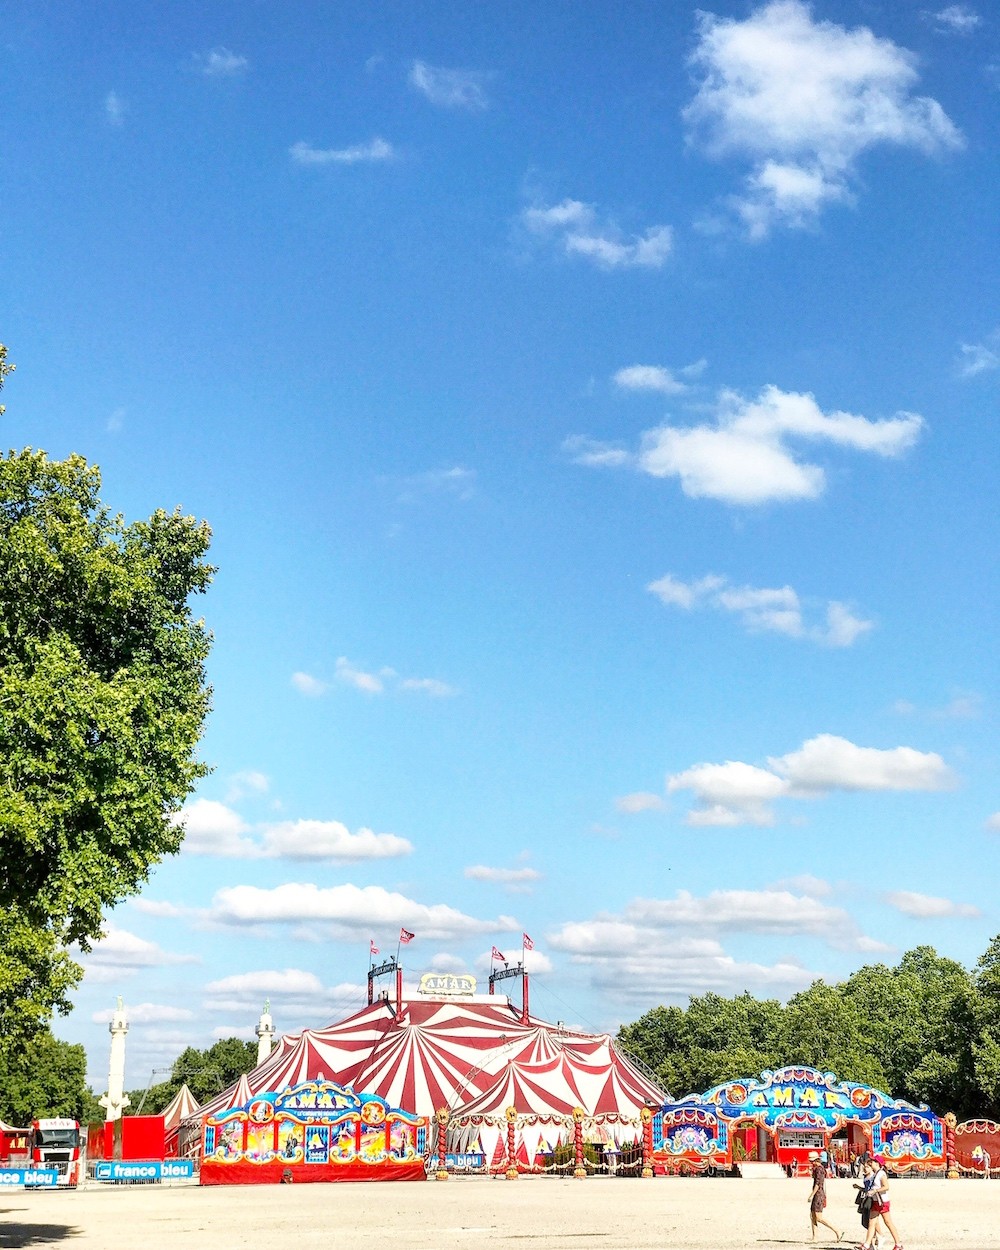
x,y
14,1235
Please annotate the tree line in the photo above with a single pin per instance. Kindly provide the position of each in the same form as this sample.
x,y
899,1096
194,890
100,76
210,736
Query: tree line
x,y
927,1030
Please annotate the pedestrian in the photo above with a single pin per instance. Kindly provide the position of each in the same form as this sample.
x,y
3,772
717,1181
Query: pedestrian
x,y
880,1201
863,1202
817,1196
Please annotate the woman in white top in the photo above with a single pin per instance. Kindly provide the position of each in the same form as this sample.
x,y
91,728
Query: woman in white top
x,y
880,1205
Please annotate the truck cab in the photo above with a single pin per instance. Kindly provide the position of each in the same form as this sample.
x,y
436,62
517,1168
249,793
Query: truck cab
x,y
55,1143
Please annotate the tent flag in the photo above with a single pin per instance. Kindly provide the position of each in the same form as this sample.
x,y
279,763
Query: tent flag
x,y
527,943
373,949
405,936
498,957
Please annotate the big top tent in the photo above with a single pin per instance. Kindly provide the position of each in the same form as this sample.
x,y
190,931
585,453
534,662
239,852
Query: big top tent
x,y
436,1052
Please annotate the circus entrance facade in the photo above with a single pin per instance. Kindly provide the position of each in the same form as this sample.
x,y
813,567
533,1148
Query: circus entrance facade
x,y
782,1116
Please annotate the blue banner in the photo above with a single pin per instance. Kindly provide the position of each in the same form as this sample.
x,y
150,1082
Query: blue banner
x,y
30,1178
144,1170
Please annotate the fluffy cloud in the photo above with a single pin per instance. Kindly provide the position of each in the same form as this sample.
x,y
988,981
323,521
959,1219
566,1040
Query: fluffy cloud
x,y
329,839
212,828
802,101
220,63
377,150
293,994
976,358
349,910
745,457
955,19
516,880
827,762
649,378
145,1013
450,88
308,685
926,907
670,948
778,609
639,801
993,822
735,793
121,953
575,228
959,707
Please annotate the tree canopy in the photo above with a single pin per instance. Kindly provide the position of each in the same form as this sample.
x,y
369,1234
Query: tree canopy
x,y
103,697
926,1030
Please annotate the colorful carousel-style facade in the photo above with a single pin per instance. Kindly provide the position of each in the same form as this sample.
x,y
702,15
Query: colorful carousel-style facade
x,y
782,1116
314,1131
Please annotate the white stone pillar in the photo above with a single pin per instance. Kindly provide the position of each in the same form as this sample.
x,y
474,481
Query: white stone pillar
x,y
265,1033
116,1100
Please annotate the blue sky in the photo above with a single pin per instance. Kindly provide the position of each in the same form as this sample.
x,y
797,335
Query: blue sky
x,y
595,413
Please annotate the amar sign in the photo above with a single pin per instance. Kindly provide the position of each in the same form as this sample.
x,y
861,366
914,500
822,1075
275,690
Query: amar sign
x,y
446,983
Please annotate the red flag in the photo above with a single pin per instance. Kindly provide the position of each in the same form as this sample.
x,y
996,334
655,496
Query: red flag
x,y
496,956
527,943
405,936
373,947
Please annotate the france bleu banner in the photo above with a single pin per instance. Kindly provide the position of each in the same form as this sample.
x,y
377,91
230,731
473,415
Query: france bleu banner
x,y
29,1178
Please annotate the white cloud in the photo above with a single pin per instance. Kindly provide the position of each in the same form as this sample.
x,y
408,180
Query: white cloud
x,y
293,995
575,227
802,101
827,762
745,457
729,794
976,358
145,1013
663,949
215,829
212,828
926,906
248,782
351,675
349,909
777,610
993,822
308,685
377,150
450,88
330,840
961,706
805,883
735,793
516,880
955,19
640,801
158,907
115,109
122,953
649,378
219,63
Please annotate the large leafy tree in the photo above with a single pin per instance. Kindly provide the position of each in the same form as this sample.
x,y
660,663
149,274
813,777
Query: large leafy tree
x,y
47,1078
103,697
205,1072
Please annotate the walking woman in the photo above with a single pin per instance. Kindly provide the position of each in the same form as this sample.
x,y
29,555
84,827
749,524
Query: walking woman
x,y
880,1202
817,1196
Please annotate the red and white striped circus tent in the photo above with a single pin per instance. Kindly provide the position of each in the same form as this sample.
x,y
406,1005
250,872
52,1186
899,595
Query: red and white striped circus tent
x,y
447,1052
587,1073
181,1107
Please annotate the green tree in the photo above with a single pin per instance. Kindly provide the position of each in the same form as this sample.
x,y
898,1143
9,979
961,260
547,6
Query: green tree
x,y
206,1072
48,1078
103,698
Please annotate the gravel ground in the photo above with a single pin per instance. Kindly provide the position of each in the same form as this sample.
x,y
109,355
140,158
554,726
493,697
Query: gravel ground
x,y
482,1214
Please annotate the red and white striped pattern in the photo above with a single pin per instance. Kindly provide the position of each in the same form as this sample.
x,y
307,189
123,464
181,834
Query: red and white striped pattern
x,y
450,1052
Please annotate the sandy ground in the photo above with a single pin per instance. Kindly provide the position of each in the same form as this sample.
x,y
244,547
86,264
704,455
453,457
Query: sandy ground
x,y
481,1214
